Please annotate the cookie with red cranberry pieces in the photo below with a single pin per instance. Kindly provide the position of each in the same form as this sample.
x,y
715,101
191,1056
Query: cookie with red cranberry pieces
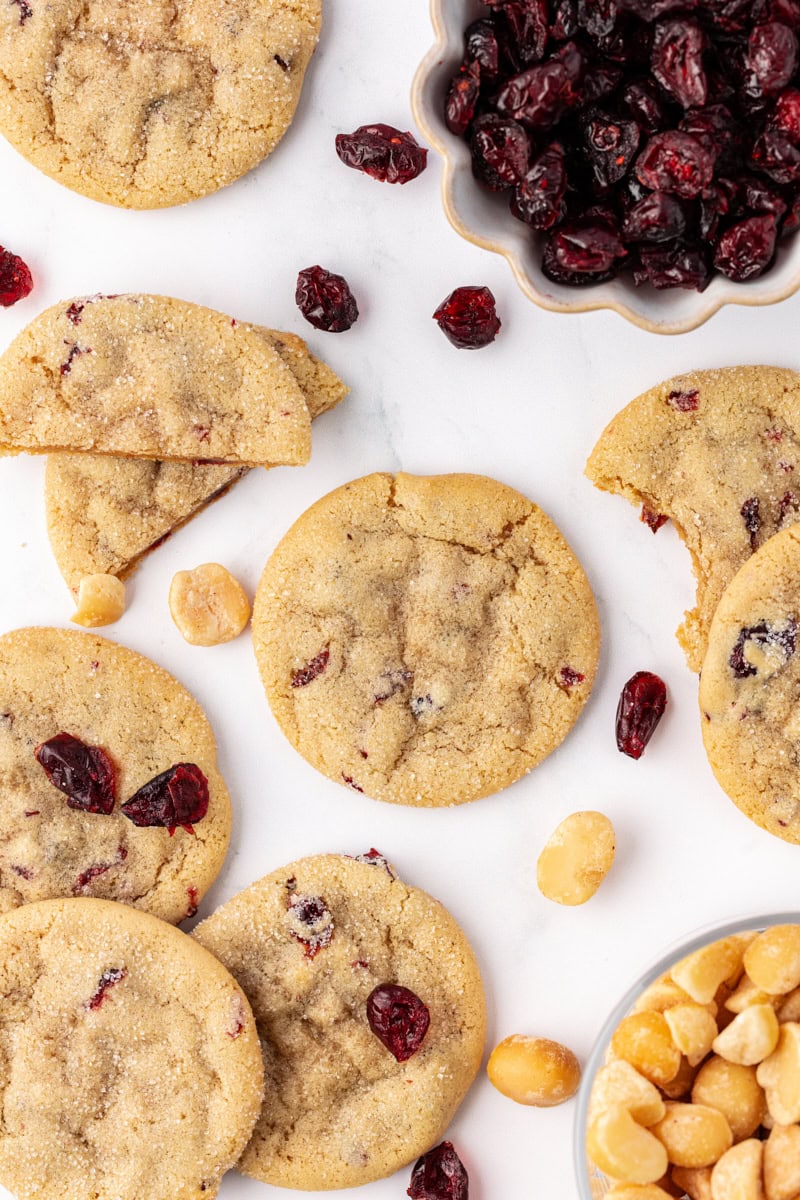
x,y
151,377
370,1009
149,105
105,514
109,778
718,453
749,687
425,640
132,1068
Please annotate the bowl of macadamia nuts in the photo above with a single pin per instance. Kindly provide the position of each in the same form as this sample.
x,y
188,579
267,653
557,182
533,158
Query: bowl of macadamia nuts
x,y
693,1087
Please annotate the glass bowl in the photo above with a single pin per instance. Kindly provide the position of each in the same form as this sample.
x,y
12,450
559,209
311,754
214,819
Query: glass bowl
x,y
592,1184
483,218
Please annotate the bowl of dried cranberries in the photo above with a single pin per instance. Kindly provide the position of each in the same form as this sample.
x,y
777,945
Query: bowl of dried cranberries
x,y
638,155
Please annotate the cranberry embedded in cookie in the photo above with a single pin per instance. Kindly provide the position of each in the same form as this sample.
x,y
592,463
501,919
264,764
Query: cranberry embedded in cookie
x,y
398,1018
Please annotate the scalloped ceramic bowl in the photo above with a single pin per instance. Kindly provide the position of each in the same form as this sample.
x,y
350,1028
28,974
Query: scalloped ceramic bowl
x,y
483,218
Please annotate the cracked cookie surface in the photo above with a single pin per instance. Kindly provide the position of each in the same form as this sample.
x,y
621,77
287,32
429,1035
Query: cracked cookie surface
x,y
718,452
151,377
339,1110
131,1065
104,514
425,640
54,681
750,684
154,103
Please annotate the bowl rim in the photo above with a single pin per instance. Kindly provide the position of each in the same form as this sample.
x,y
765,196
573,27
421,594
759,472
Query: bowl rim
x,y
678,950
583,302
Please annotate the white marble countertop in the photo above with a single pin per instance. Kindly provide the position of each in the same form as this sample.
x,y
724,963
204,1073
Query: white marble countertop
x,y
526,410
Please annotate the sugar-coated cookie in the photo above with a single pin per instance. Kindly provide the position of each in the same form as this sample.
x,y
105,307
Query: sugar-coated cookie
x,y
749,687
153,103
55,681
104,514
718,452
425,640
151,377
131,1064
309,945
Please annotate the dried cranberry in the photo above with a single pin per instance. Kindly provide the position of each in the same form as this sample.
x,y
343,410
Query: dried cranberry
x,y
677,61
673,266
598,17
565,20
468,318
25,10
538,199
775,153
658,217
570,677
641,706
756,196
652,520
786,114
96,870
784,640
108,980
482,47
537,97
84,773
751,515
675,162
374,858
500,150
439,1175
178,796
398,1018
587,246
600,80
325,300
643,104
382,152
16,281
715,129
771,58
746,249
553,269
312,669
610,147
462,96
526,23
310,922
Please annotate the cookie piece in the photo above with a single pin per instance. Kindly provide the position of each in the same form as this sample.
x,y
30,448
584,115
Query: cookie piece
x,y
749,687
150,377
56,681
147,105
104,514
131,1065
425,640
718,452
309,944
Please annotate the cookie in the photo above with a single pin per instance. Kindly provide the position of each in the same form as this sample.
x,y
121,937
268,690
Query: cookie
x,y
425,640
718,453
105,514
55,681
309,944
131,1065
749,687
147,105
150,377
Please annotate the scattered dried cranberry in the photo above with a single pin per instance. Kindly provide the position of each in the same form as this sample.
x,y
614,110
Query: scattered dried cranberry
x,y
383,152
398,1018
84,773
641,706
751,515
468,318
652,520
785,640
439,1175
176,797
325,300
312,669
108,980
310,922
16,281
